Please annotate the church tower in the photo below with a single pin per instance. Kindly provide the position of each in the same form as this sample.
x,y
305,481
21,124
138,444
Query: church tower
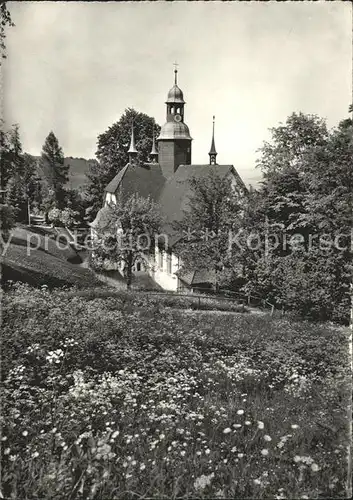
x,y
174,141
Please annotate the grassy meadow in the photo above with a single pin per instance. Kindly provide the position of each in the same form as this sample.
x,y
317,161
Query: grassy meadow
x,y
36,257
118,397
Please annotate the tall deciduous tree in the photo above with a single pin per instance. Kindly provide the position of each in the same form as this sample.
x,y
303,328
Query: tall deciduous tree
x,y
54,169
213,213
126,233
112,151
307,193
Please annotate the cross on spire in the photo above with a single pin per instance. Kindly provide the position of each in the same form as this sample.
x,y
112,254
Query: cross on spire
x,y
175,72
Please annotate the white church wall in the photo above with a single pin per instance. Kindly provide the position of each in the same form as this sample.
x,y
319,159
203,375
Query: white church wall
x,y
162,271
110,198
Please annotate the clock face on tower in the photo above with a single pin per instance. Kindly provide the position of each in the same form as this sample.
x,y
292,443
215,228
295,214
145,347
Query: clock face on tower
x,y
177,118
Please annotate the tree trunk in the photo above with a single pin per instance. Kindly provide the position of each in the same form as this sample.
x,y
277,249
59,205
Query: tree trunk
x,y
28,212
216,280
129,271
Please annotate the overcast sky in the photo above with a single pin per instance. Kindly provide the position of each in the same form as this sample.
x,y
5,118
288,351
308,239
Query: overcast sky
x,y
74,67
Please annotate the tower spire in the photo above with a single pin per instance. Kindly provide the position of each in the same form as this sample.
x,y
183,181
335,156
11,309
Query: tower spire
x,y
132,149
154,153
213,152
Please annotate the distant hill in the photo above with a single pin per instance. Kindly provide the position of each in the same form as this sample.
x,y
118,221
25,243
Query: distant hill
x,y
77,171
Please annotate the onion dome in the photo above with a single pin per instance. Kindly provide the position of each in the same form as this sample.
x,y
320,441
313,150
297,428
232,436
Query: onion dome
x,y
175,95
174,130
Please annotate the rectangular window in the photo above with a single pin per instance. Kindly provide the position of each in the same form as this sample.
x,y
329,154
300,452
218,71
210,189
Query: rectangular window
x,y
169,263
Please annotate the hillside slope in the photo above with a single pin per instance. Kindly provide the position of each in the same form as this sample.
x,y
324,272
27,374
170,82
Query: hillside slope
x,y
77,170
38,260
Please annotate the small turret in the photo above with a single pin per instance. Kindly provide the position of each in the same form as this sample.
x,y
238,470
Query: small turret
x,y
132,149
154,152
213,152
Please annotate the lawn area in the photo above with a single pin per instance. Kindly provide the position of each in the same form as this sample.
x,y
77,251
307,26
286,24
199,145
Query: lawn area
x,y
107,398
39,268
44,240
36,258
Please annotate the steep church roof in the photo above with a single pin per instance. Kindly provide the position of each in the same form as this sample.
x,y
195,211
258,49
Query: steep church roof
x,y
172,195
177,190
176,193
146,179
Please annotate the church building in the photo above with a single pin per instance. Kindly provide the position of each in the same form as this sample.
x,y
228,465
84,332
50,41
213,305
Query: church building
x,y
165,179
